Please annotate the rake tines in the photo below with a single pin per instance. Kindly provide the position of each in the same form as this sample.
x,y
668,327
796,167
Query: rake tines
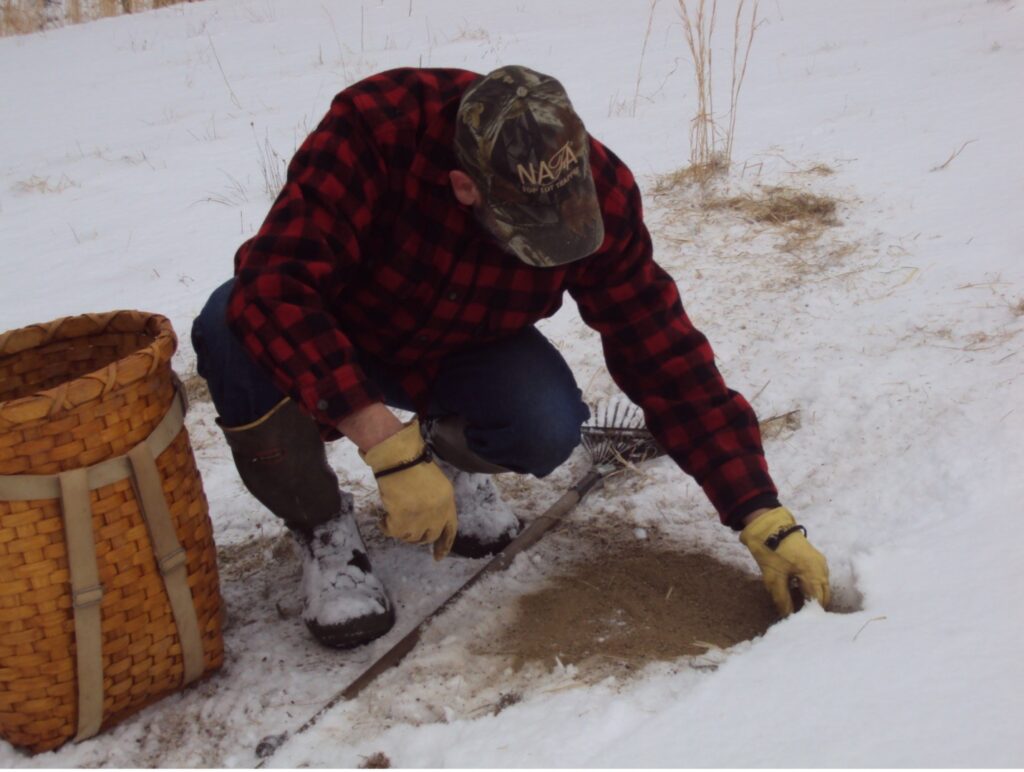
x,y
617,434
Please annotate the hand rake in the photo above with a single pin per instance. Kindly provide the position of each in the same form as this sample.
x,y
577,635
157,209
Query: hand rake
x,y
616,438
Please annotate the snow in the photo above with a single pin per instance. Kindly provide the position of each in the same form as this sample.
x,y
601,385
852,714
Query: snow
x,y
483,514
132,160
336,590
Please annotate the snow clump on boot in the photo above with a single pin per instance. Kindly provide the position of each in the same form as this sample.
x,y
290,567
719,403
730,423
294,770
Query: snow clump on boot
x,y
345,605
486,523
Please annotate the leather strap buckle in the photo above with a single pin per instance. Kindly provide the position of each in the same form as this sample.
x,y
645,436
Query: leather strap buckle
x,y
171,561
422,458
773,541
87,596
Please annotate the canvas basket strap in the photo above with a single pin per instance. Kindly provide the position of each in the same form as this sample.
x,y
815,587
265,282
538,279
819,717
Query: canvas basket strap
x,y
72,488
86,594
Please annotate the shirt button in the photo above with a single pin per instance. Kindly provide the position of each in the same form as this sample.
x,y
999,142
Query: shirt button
x,y
321,405
453,295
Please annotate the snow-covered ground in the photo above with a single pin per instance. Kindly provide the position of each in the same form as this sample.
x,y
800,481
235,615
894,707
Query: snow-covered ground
x,y
132,161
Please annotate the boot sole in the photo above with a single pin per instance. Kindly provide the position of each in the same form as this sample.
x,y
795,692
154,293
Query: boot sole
x,y
355,633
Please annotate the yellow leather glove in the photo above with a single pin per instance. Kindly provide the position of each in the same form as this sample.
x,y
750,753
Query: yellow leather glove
x,y
781,549
419,502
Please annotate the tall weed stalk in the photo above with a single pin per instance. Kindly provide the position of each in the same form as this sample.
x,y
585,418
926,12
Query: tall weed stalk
x,y
711,144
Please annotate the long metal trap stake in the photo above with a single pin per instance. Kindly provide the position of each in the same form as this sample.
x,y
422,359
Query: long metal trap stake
x,y
616,438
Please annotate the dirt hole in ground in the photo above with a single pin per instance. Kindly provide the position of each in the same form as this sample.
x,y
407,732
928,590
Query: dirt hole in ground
x,y
633,605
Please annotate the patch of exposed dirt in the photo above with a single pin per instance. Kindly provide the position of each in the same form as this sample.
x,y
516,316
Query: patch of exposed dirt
x,y
376,761
633,603
196,389
246,559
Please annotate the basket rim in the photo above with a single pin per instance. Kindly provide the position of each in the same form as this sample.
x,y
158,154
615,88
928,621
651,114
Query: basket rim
x,y
86,387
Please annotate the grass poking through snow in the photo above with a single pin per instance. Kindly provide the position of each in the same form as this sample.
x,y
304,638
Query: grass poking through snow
x,y
781,206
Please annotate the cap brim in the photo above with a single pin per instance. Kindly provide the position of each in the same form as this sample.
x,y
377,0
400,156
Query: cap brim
x,y
561,233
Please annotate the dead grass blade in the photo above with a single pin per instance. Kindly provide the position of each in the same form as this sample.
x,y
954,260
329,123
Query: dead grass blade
x,y
953,155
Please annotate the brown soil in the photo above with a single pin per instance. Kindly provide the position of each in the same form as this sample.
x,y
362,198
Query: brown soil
x,y
196,389
376,761
638,603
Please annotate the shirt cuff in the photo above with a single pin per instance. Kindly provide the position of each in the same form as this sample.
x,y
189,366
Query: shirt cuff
x,y
330,400
734,519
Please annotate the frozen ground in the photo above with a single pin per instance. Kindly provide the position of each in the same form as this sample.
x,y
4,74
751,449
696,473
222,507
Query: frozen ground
x,y
132,161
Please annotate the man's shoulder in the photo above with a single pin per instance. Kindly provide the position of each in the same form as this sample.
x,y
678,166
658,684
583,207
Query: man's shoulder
x,y
615,184
608,169
406,96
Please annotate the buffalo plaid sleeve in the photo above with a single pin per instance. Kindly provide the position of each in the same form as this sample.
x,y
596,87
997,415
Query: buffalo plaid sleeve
x,y
665,365
305,253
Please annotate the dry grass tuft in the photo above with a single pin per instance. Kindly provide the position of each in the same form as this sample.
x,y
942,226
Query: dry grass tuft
x,y
21,17
1018,308
955,339
703,196
465,32
376,761
780,425
36,184
820,170
781,206
18,18
694,174
801,216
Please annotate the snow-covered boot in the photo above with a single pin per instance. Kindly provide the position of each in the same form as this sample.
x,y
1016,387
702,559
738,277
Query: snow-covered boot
x,y
345,605
282,461
486,523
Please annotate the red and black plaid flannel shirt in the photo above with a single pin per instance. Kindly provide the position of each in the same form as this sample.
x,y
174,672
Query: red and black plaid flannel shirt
x,y
367,249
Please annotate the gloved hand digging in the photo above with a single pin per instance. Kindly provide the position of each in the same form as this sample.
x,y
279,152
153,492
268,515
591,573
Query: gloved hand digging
x,y
782,551
418,500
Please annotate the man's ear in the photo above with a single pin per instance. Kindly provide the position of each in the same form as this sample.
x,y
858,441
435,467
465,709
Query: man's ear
x,y
466,191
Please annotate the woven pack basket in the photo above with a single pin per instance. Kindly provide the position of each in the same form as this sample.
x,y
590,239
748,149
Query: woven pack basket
x,y
109,595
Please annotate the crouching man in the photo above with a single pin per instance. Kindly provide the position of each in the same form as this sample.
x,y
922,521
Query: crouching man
x,y
426,225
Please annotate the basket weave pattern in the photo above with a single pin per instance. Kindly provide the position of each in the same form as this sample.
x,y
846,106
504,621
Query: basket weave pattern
x,y
75,393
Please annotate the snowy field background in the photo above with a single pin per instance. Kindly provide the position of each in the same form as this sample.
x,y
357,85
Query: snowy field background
x,y
132,159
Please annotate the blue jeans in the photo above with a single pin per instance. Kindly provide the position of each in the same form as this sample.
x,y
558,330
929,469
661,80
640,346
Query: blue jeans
x,y
518,397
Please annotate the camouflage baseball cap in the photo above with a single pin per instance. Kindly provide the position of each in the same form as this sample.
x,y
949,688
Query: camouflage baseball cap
x,y
520,141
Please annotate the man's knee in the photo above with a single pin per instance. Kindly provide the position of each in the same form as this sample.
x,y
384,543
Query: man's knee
x,y
241,390
211,325
535,438
554,437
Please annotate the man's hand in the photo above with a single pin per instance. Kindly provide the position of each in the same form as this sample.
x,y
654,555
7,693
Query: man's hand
x,y
781,549
419,502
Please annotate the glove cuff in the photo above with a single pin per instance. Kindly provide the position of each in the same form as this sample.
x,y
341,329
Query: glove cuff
x,y
767,525
400,450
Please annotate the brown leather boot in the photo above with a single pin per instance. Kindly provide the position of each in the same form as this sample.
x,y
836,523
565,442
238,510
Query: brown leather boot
x,y
282,461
